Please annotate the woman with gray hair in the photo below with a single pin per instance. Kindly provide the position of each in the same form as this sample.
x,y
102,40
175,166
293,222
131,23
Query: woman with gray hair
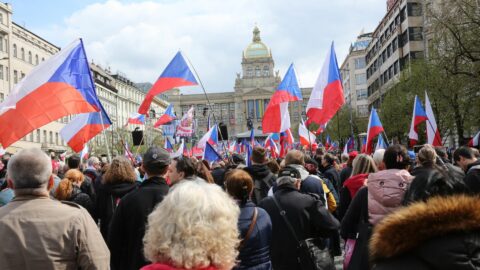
x,y
194,227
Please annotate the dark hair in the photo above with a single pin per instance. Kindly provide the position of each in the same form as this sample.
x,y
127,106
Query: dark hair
x,y
396,157
258,154
239,185
273,166
203,172
329,158
73,162
463,151
434,182
185,165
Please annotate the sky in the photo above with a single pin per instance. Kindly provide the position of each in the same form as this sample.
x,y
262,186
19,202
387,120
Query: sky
x,y
139,38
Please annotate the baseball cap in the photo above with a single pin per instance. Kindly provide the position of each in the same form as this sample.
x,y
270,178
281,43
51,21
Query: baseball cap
x,y
156,156
352,155
289,171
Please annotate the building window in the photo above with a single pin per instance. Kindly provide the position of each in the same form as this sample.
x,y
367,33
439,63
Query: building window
x,y
415,33
15,76
403,39
45,136
31,136
36,59
1,43
30,60
414,9
14,50
1,72
43,59
51,137
266,71
2,96
362,110
38,135
22,54
1,18
250,109
359,63
22,75
360,79
362,94
257,71
56,138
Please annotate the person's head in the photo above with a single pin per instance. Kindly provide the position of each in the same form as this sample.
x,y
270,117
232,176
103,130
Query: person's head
x,y
73,162
328,160
29,171
273,166
203,172
344,158
311,165
294,157
351,156
396,157
65,187
182,167
378,159
363,164
289,176
239,185
441,152
156,161
195,226
259,155
119,171
463,157
94,162
475,152
427,157
238,159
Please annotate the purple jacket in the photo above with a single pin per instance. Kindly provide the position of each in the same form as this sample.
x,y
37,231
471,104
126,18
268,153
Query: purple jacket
x,y
385,192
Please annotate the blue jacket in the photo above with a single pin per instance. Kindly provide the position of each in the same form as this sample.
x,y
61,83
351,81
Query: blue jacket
x,y
255,252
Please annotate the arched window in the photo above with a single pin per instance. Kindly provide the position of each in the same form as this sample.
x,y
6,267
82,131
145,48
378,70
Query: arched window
x,y
14,50
22,54
36,59
30,57
249,72
43,59
257,71
266,71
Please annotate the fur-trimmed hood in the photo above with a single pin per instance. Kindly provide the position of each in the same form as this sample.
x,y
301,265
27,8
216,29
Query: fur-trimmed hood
x,y
408,228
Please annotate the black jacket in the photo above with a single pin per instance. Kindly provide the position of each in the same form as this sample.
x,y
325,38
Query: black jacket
x,y
218,175
331,173
81,198
127,228
472,177
345,173
308,217
442,233
263,180
108,198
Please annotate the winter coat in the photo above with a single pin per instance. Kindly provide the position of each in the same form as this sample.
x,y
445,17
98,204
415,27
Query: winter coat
x,y
161,266
310,183
218,175
442,233
127,228
472,177
263,180
348,191
308,217
108,198
345,173
386,190
255,251
332,174
81,198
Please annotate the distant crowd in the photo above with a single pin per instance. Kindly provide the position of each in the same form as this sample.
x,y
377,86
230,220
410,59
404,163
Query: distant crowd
x,y
390,210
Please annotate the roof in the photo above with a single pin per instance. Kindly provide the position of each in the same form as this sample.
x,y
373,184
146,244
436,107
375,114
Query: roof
x,y
256,49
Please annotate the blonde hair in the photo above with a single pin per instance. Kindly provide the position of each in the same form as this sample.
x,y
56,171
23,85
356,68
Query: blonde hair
x,y
195,226
65,187
363,164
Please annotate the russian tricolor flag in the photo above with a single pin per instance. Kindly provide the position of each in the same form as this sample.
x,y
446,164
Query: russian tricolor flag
x,y
419,116
167,117
327,94
374,128
60,86
84,127
176,74
137,119
277,117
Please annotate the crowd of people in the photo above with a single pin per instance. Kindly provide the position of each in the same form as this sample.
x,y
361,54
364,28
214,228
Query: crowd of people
x,y
391,210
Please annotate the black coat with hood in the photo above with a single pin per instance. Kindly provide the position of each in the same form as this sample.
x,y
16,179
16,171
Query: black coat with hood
x,y
442,233
108,197
263,180
472,177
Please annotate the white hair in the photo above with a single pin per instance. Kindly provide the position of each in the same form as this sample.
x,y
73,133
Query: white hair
x,y
195,226
92,161
30,169
378,156
285,180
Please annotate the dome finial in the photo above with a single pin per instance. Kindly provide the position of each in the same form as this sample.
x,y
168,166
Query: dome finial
x,y
256,34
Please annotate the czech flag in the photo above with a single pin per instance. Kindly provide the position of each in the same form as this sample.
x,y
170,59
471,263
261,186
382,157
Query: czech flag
x,y
168,145
381,143
328,142
306,136
277,117
210,154
327,94
348,146
433,134
249,155
475,141
419,116
270,144
211,137
84,127
180,150
128,154
84,153
252,137
176,74
60,86
374,128
167,117
137,119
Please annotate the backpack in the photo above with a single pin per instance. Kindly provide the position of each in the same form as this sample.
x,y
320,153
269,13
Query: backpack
x,y
261,187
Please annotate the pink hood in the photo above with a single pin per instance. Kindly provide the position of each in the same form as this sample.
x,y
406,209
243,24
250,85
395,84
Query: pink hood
x,y
385,192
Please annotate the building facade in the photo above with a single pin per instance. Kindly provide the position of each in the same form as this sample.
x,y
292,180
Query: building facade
x,y
398,39
354,75
246,104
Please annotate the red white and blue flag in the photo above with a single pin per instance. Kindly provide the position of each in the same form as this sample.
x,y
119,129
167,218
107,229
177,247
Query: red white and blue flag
x,y
136,119
167,117
252,137
475,141
349,146
327,94
381,143
168,145
176,74
84,153
433,134
272,146
277,117
328,142
84,127
306,136
60,86
211,137
374,128
128,154
210,154
419,116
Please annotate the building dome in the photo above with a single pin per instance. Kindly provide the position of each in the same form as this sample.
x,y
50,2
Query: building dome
x,y
256,49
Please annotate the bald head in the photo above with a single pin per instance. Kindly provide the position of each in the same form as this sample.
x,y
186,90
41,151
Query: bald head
x,y
30,169
294,157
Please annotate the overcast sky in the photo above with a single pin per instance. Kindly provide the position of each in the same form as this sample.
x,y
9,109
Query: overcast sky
x,y
139,38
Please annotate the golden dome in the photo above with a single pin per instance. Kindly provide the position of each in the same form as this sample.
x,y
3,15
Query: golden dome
x,y
256,49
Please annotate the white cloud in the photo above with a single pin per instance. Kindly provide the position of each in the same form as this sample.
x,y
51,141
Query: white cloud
x,y
140,38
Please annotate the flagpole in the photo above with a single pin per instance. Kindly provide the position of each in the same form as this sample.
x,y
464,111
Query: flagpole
x,y
385,134
208,100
